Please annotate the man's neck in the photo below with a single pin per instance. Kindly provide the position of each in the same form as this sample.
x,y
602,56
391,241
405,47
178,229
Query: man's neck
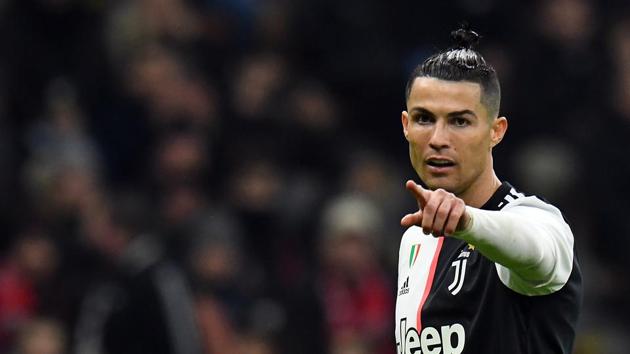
x,y
479,193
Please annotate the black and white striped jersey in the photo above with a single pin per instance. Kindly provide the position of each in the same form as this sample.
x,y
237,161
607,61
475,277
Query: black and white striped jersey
x,y
452,299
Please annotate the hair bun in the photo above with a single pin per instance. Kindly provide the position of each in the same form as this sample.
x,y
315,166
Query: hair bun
x,y
464,37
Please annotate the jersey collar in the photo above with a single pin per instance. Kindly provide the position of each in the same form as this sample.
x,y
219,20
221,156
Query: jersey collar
x,y
495,200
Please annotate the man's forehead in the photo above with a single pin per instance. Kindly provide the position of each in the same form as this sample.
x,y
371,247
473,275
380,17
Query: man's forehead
x,y
457,94
430,84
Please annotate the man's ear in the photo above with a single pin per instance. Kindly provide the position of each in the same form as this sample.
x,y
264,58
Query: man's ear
x,y
405,122
499,127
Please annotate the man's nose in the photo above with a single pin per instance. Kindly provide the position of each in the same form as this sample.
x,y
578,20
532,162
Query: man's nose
x,y
439,137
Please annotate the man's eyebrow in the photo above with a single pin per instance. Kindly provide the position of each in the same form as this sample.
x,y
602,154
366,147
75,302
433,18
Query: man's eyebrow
x,y
421,110
451,114
461,113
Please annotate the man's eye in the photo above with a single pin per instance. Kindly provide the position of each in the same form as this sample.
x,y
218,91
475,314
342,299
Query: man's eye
x,y
460,122
424,118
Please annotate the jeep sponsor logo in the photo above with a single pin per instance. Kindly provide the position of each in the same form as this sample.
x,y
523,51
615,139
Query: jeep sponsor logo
x,y
445,340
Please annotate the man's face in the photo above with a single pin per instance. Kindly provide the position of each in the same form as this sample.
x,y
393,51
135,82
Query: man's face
x,y
450,134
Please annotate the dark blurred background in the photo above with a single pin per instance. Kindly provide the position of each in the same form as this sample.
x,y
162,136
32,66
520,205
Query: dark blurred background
x,y
226,176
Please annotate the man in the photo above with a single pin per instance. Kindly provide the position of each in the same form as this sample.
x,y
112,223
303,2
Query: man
x,y
141,302
482,267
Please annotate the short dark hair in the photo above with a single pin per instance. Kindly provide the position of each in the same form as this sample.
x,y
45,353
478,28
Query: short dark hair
x,y
462,63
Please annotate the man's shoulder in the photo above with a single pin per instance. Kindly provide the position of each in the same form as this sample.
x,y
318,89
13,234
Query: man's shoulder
x,y
508,197
532,204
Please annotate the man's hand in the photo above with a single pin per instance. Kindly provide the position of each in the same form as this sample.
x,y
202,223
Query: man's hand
x,y
440,212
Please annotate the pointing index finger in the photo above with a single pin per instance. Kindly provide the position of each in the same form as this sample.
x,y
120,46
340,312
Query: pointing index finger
x,y
421,194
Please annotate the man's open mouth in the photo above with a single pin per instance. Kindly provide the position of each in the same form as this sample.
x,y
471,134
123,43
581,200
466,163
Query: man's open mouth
x,y
440,163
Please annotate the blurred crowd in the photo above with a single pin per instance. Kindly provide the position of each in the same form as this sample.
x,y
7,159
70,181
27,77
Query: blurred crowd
x,y
226,176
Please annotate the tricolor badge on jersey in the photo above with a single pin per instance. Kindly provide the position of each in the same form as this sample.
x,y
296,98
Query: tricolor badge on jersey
x,y
413,255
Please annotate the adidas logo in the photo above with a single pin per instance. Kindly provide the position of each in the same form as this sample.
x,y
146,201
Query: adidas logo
x,y
405,288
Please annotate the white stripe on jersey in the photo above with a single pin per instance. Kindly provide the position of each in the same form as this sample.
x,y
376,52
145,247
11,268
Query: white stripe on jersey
x,y
415,276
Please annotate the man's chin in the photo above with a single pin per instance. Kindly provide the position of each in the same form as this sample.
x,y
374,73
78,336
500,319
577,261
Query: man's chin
x,y
445,183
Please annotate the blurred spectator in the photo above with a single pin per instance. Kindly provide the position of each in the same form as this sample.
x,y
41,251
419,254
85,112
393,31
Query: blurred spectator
x,y
143,302
355,291
174,93
64,163
549,167
41,336
181,158
253,192
179,203
255,344
216,260
133,24
567,22
256,185
608,145
231,304
567,62
310,123
257,86
31,262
